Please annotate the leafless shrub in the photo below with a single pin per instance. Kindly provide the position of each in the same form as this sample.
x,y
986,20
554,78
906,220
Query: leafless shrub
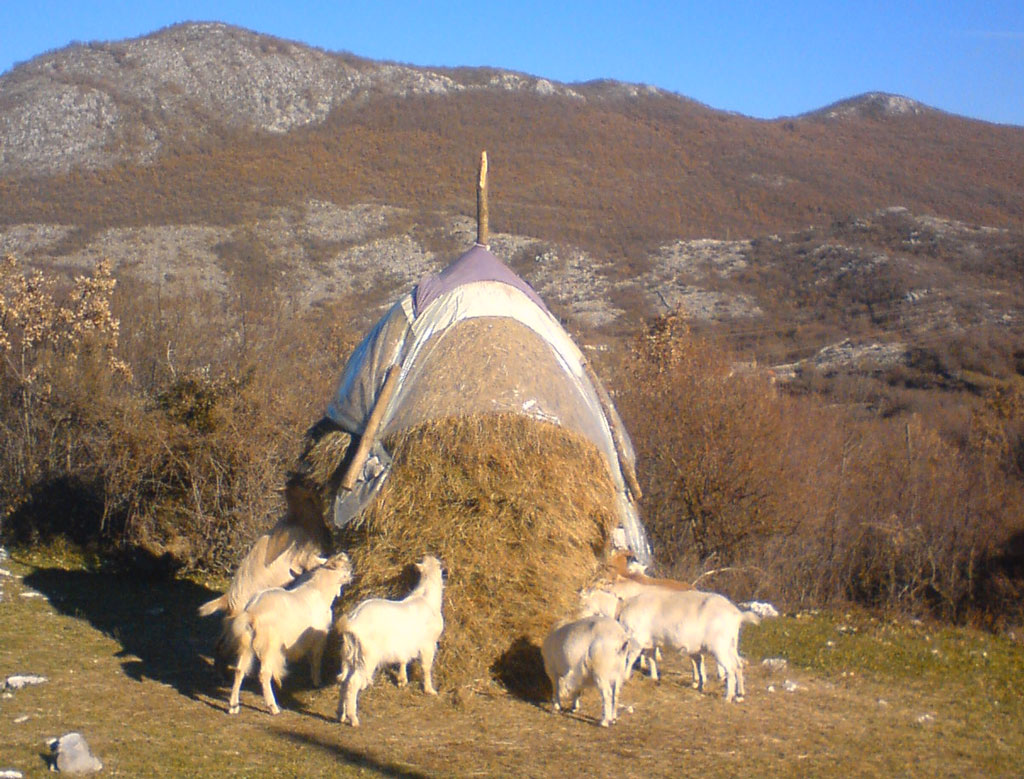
x,y
817,503
178,456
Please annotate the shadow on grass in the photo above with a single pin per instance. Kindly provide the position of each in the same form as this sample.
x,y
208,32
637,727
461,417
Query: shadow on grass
x,y
520,669
351,756
154,619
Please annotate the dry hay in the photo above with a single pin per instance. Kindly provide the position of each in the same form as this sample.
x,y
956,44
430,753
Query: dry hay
x,y
518,510
488,365
322,463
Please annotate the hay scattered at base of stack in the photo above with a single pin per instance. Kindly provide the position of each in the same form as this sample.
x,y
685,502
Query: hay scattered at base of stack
x,y
518,510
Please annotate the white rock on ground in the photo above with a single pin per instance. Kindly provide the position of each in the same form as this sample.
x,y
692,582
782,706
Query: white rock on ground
x,y
17,681
761,608
71,755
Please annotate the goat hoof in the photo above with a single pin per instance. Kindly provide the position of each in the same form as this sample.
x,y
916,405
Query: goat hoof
x,y
605,723
233,709
275,710
430,691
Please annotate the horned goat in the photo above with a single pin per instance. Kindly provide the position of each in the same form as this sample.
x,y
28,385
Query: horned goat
x,y
274,560
279,625
291,548
379,632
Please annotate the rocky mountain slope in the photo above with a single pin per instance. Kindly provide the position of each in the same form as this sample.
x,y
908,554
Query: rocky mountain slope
x,y
96,104
207,156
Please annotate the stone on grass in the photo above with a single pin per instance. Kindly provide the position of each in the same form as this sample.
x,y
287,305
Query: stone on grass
x,y
71,755
17,681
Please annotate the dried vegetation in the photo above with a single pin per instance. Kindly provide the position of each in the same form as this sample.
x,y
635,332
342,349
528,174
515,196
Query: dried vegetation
x,y
175,438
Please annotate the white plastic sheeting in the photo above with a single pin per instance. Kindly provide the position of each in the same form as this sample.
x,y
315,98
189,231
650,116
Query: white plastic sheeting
x,y
481,347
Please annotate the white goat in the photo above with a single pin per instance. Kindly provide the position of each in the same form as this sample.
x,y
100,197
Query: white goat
x,y
279,625
593,650
379,632
606,598
275,560
691,622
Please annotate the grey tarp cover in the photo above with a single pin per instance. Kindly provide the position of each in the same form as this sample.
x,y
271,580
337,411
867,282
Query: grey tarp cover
x,y
475,338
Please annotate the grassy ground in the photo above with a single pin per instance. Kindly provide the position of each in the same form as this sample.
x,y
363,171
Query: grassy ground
x,y
127,664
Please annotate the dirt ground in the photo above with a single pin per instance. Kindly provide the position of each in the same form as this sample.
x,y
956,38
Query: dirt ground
x,y
127,665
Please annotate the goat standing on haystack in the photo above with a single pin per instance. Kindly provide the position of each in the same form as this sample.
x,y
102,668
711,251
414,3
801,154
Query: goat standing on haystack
x,y
379,632
279,625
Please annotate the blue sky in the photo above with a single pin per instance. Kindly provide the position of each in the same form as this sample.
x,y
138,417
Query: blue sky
x,y
762,59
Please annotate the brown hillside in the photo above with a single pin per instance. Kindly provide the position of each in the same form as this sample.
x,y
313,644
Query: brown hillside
x,y
606,167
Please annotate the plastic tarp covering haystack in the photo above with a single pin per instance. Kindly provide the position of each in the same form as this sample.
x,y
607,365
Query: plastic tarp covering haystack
x,y
476,339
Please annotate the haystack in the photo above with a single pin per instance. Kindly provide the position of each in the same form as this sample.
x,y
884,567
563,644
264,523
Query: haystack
x,y
519,512
468,425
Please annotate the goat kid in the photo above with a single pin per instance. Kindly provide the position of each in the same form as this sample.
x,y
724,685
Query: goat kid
x,y
379,632
279,625
592,650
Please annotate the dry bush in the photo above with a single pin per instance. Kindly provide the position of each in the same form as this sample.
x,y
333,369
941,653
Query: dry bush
x,y
712,451
59,369
174,456
816,503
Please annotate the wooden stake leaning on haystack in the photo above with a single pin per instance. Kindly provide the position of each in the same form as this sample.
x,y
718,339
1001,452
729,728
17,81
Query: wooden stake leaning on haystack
x,y
372,424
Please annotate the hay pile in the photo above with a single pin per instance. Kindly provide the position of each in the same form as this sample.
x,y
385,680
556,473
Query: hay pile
x,y
518,510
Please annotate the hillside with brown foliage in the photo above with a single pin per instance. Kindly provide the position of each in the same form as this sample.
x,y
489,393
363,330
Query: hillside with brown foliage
x,y
605,167
840,418
618,176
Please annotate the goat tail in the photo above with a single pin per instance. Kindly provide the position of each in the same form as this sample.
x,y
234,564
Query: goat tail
x,y
351,653
241,630
239,633
751,617
219,603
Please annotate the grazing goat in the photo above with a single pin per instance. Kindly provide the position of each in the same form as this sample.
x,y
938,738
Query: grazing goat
x,y
592,650
691,622
379,632
279,625
625,580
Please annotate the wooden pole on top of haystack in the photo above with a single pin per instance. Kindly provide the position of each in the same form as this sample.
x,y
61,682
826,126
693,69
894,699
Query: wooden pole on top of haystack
x,y
482,227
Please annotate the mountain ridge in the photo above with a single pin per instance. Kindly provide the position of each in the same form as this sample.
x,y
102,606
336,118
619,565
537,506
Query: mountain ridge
x,y
101,103
208,156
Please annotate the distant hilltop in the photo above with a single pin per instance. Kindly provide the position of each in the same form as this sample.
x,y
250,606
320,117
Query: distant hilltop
x,y
99,104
